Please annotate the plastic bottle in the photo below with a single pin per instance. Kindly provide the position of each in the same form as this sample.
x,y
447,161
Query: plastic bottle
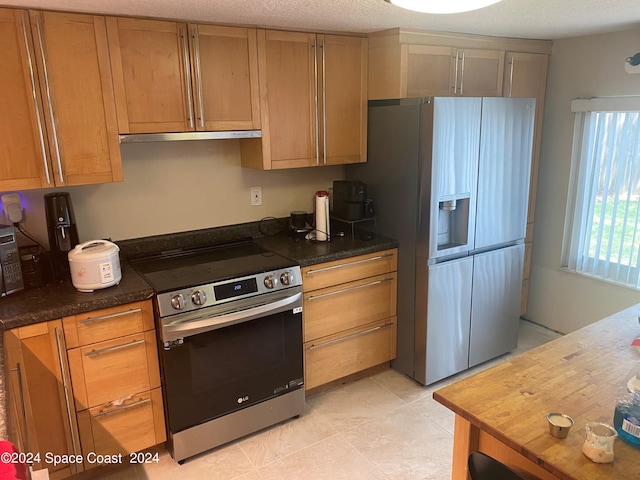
x,y
626,418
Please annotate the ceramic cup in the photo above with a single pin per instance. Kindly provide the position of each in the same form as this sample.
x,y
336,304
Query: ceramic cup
x,y
598,442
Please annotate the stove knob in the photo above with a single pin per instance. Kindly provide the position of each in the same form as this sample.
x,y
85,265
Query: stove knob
x,y
270,281
199,297
178,302
286,278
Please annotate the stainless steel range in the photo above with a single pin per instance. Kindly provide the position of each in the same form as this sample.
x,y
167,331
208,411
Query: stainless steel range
x,y
230,332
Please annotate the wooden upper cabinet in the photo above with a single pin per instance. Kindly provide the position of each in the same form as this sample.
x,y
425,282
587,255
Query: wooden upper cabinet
x,y
433,71
225,74
344,99
478,73
75,77
56,102
174,77
24,151
312,101
428,71
288,79
151,75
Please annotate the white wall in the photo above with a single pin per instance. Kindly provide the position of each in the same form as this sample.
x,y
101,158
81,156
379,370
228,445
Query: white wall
x,y
178,186
579,67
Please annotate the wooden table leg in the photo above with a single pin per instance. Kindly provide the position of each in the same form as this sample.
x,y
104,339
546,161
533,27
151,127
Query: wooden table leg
x,y
465,441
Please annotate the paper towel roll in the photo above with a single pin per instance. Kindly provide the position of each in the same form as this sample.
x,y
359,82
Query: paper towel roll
x,y
322,216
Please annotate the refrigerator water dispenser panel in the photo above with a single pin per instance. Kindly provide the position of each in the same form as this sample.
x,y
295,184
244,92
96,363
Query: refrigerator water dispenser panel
x,y
453,223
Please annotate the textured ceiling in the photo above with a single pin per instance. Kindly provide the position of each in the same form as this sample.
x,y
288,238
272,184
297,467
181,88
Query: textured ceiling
x,y
542,19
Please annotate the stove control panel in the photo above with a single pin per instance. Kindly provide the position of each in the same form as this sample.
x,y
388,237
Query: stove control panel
x,y
203,296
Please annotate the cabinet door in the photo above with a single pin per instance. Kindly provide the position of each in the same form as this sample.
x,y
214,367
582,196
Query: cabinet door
x,y
24,155
526,77
429,72
479,73
38,377
343,99
288,82
151,74
75,75
225,73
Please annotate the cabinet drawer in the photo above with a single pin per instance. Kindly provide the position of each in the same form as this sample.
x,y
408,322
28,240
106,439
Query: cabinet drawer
x,y
114,369
131,426
349,305
349,352
347,270
99,325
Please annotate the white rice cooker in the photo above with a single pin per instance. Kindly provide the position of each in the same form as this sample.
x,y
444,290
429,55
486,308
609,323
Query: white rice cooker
x,y
95,264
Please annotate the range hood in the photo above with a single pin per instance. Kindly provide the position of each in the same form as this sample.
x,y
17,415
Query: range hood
x,y
167,137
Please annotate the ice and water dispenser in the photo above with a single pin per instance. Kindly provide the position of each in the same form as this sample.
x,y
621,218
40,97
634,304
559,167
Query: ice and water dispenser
x,y
453,222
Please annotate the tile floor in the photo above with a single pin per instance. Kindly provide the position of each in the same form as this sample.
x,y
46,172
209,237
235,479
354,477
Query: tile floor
x,y
382,427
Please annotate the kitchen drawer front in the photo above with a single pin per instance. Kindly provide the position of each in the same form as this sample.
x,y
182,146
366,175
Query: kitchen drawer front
x,y
350,269
99,325
337,356
133,425
349,305
106,371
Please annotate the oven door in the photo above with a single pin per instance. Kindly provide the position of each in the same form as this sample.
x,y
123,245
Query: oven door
x,y
250,351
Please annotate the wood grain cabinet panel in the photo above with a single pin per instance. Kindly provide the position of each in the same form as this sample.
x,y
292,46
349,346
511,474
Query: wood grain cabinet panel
x,y
349,352
349,316
57,108
526,76
342,271
179,77
113,361
123,427
349,305
41,417
313,101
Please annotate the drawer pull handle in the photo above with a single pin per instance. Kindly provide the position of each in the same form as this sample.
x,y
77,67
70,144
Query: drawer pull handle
x,y
111,315
115,347
348,264
35,101
348,337
348,289
122,407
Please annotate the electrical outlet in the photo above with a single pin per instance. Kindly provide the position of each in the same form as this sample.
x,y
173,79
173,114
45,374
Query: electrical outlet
x,y
256,196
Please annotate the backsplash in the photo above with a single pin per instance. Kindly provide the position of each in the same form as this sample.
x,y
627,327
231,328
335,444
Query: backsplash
x,y
180,186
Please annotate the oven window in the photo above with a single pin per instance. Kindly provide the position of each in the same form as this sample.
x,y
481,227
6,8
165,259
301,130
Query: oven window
x,y
236,354
221,371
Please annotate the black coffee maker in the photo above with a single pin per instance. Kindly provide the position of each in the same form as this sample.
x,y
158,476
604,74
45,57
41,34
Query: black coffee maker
x,y
63,234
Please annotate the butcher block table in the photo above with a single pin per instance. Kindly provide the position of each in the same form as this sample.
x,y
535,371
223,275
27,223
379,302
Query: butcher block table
x,y
502,411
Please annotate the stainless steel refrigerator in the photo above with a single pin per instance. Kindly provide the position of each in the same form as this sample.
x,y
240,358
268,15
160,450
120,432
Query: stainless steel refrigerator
x,y
449,177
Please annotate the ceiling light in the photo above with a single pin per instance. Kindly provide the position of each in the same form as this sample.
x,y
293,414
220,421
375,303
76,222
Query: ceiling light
x,y
442,6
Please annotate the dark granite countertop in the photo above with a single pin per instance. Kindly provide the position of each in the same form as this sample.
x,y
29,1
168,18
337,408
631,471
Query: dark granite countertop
x,y
307,252
62,299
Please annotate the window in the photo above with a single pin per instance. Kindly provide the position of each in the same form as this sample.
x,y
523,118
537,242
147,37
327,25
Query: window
x,y
602,236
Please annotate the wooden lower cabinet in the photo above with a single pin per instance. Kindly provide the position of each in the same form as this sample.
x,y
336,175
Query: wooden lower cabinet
x,y
349,315
348,352
41,417
123,427
116,380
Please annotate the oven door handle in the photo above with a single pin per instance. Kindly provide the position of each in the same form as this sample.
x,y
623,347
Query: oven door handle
x,y
187,328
